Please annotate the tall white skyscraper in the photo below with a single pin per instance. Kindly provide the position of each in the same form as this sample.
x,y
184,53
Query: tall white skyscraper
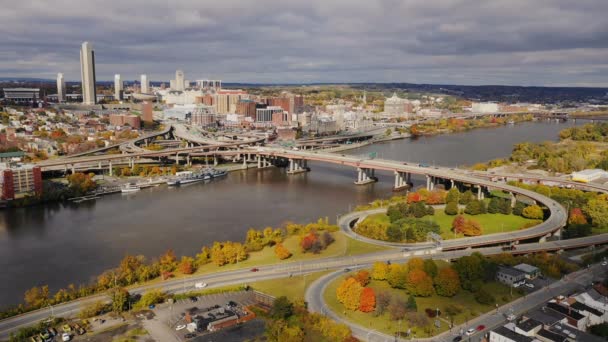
x,y
60,88
144,84
179,80
87,71
117,87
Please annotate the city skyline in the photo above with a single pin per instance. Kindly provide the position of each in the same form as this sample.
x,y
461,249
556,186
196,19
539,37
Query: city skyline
x,y
551,43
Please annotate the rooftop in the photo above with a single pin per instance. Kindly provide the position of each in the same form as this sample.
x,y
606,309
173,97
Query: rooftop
x,y
512,335
566,311
526,268
529,324
583,307
510,271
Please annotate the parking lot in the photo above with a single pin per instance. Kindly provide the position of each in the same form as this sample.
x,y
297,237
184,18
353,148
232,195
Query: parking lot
x,y
172,316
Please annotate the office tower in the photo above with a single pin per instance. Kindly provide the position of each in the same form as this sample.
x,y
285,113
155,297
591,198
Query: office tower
x,y
147,112
60,88
87,71
144,84
179,80
117,87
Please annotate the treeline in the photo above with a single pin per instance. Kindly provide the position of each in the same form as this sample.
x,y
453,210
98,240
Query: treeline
x,y
586,210
459,125
133,269
422,278
588,132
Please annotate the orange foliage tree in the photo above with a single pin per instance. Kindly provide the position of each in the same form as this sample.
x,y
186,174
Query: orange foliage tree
x,y
577,217
281,252
362,277
419,283
367,302
186,265
447,282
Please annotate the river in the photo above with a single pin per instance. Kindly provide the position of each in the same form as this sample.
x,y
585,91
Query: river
x,y
61,244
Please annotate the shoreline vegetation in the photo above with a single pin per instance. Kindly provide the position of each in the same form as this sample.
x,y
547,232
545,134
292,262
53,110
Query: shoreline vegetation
x,y
305,241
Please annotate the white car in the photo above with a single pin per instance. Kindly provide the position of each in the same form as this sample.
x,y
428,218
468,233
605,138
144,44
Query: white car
x,y
604,263
66,337
470,332
530,285
180,327
200,285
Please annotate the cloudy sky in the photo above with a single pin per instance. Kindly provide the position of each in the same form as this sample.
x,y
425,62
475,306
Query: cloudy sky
x,y
511,42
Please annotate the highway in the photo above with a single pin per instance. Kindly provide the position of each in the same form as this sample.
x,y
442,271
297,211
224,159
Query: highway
x,y
282,270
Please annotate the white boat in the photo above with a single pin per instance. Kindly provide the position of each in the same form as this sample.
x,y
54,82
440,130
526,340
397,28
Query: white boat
x,y
129,188
511,122
218,173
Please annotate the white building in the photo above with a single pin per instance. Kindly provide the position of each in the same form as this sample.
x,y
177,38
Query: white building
x,y
180,112
87,71
396,106
145,84
588,175
118,87
484,107
60,88
178,83
183,97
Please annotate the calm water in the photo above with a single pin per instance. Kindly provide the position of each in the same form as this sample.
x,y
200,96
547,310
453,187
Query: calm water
x,y
59,244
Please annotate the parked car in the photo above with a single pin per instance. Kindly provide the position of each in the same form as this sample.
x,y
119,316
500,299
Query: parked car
x,y
457,339
255,269
470,332
193,299
52,331
180,327
605,263
529,285
66,328
190,335
66,337
481,327
200,285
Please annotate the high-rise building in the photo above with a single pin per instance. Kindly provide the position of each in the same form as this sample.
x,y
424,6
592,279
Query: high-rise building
x,y
147,112
60,88
144,84
179,80
87,71
117,87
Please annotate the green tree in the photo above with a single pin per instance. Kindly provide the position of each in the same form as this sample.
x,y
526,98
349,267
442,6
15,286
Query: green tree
x,y
519,208
430,267
466,197
411,303
469,269
120,300
282,308
451,208
600,330
505,207
452,196
494,205
484,297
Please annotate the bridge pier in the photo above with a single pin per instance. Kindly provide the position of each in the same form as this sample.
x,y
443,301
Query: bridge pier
x,y
513,200
73,168
365,176
214,160
297,166
177,159
400,180
110,170
188,160
430,183
480,194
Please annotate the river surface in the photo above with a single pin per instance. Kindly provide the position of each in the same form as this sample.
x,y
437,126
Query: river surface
x,y
61,244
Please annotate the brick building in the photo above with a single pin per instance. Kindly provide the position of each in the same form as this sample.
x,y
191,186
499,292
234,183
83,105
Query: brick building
x,y
19,180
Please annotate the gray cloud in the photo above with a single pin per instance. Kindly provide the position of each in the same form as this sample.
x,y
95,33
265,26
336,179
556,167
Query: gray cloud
x,y
540,42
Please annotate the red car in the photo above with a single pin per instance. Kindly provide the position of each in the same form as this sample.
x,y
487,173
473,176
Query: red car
x,y
255,269
481,327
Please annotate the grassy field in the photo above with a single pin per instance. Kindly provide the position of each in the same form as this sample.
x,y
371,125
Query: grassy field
x,y
490,223
342,246
292,288
464,299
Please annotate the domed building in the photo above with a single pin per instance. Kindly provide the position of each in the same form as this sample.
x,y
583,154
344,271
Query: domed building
x,y
396,106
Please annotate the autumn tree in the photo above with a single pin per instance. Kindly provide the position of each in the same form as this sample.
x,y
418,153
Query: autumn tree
x,y
447,282
415,263
81,183
186,265
36,296
380,270
349,293
576,217
362,277
397,276
472,228
533,212
597,209
203,257
397,309
367,302
281,252
168,261
419,283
